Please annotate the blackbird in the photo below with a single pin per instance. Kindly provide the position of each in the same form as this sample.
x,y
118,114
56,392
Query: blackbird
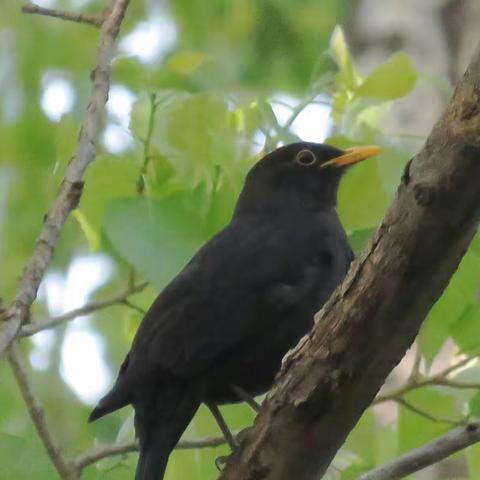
x,y
242,301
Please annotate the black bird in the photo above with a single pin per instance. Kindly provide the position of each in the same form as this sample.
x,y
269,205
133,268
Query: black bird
x,y
241,303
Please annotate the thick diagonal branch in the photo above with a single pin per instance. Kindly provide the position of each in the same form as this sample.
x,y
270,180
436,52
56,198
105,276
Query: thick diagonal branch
x,y
71,188
365,328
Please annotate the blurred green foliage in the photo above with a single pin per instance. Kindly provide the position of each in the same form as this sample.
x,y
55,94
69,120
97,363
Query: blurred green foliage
x,y
204,110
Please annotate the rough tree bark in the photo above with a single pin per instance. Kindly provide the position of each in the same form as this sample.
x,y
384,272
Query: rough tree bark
x,y
332,376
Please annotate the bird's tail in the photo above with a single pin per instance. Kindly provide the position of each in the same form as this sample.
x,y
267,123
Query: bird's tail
x,y
160,419
118,397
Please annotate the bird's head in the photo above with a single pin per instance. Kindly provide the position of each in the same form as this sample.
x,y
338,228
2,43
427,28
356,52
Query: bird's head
x,y
303,175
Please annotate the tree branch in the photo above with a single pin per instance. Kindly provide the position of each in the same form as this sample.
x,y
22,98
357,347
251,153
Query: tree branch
x,y
105,451
95,20
72,184
363,331
65,468
440,379
429,454
409,406
118,299
147,143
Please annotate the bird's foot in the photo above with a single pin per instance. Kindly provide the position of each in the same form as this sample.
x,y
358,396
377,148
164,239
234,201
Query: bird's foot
x,y
246,397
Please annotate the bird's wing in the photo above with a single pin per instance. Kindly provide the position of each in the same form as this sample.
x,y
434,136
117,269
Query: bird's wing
x,y
219,298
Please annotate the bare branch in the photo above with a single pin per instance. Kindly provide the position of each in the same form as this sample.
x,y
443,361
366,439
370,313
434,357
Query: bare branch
x,y
147,144
428,416
429,454
132,306
118,299
417,363
72,184
440,379
95,20
454,384
456,366
104,451
65,468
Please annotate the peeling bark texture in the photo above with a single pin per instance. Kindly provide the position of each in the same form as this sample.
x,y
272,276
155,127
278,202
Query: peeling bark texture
x,y
363,331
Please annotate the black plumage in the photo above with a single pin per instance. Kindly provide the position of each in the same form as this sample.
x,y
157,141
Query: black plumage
x,y
241,303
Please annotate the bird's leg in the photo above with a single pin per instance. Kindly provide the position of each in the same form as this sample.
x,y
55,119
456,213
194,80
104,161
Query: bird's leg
x,y
248,399
223,425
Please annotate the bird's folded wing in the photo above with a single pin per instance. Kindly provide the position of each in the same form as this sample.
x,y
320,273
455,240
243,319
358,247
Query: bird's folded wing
x,y
221,298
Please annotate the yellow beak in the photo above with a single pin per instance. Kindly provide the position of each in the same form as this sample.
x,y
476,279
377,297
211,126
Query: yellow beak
x,y
353,155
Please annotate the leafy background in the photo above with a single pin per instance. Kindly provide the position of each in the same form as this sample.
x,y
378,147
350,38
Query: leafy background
x,y
200,89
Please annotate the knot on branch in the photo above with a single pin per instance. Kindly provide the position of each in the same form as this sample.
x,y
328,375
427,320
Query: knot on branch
x,y
424,195
464,118
472,427
75,193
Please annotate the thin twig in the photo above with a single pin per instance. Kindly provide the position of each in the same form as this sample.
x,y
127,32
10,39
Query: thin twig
x,y
299,109
428,454
456,366
95,20
71,188
118,299
131,305
105,451
417,362
454,384
147,144
428,416
65,468
438,379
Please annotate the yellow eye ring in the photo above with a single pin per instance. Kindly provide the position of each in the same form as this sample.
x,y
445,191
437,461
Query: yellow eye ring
x,y
305,157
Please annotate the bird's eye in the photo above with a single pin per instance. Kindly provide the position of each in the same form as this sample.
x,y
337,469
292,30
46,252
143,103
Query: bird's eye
x,y
305,157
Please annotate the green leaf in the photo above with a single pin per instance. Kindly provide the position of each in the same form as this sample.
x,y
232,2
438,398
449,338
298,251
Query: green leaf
x,y
10,461
393,79
391,166
474,405
24,458
156,237
107,178
461,291
339,48
415,430
354,471
141,110
185,63
347,77
473,457
196,135
362,438
361,207
475,245
340,102
91,233
359,238
466,329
